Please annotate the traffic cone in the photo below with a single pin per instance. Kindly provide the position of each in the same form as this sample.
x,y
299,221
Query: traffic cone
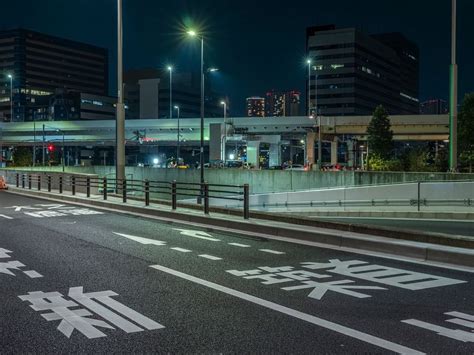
x,y
3,183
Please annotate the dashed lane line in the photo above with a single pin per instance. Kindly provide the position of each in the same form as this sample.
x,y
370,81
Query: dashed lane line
x,y
341,329
182,250
239,245
6,217
271,251
210,257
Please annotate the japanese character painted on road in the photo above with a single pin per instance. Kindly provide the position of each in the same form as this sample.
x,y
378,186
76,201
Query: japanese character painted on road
x,y
80,318
7,267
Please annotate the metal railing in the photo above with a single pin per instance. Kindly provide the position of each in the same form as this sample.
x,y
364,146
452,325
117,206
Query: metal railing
x,y
124,187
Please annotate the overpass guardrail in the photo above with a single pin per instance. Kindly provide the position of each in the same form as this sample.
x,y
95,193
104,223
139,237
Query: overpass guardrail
x,y
126,187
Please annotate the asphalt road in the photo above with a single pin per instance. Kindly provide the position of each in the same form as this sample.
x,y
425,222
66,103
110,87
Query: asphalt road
x,y
118,283
456,227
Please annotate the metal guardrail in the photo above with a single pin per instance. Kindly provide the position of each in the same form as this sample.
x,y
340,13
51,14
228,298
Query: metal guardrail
x,y
124,187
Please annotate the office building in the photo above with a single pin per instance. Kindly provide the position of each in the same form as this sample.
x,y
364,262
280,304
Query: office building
x,y
434,107
292,103
281,104
40,64
255,106
355,72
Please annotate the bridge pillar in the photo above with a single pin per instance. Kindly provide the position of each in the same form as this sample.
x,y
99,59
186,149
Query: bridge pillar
x,y
253,153
216,135
334,146
275,154
310,138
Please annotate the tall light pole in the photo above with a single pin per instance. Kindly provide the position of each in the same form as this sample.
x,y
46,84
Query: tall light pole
x,y
453,96
177,137
11,96
120,123
309,86
224,143
201,163
170,69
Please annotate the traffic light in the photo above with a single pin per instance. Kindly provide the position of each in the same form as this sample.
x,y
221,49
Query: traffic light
x,y
50,148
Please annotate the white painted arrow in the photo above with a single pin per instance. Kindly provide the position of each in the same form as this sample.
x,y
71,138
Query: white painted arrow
x,y
197,234
141,240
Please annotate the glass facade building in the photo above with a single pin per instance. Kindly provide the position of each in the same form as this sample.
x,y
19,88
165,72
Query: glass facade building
x,y
353,72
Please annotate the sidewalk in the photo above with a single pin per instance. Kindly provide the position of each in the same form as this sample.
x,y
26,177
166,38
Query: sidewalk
x,y
418,246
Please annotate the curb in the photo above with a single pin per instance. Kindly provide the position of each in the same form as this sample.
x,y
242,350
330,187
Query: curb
x,y
354,240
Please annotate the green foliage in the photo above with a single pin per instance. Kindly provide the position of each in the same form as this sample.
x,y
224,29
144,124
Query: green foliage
x,y
376,163
466,131
22,156
379,134
418,159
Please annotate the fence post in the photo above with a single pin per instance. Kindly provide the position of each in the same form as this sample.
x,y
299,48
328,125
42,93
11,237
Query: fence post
x,y
17,180
104,187
61,184
419,195
49,183
88,187
22,181
173,195
147,193
39,182
73,185
124,190
29,181
246,201
205,189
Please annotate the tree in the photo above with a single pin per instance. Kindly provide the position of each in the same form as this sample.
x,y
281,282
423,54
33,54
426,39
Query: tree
x,y
23,156
466,131
379,134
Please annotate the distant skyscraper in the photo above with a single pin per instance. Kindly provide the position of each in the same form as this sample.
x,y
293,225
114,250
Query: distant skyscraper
x,y
255,106
275,104
292,103
356,72
40,64
434,107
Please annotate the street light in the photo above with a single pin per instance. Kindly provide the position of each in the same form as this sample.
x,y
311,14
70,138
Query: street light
x,y
120,120
177,145
309,86
453,95
11,96
170,69
193,33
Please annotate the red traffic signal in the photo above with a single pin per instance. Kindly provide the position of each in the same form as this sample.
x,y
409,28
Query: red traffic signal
x,y
50,148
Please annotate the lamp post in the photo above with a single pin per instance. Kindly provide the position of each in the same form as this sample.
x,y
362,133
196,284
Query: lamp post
x,y
453,96
170,69
120,120
11,96
309,86
201,163
224,140
177,137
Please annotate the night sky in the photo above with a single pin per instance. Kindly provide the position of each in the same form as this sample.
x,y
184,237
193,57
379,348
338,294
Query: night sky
x,y
257,45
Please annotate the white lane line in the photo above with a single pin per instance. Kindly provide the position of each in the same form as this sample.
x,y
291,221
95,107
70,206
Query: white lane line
x,y
182,250
6,217
271,251
385,344
196,234
141,240
32,274
239,245
210,257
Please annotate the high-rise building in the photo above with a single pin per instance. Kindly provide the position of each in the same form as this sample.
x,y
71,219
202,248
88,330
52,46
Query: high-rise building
x,y
292,103
355,72
255,106
275,104
434,107
39,64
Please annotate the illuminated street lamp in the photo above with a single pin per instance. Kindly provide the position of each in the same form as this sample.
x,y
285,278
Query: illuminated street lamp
x,y
11,96
170,69
224,143
193,33
177,144
309,86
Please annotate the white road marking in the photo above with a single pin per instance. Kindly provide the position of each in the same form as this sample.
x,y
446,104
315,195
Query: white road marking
x,y
382,343
271,251
210,257
196,234
239,245
32,274
141,240
182,250
6,217
457,334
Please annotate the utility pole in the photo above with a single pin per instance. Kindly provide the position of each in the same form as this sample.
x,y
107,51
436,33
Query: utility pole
x,y
120,122
453,96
